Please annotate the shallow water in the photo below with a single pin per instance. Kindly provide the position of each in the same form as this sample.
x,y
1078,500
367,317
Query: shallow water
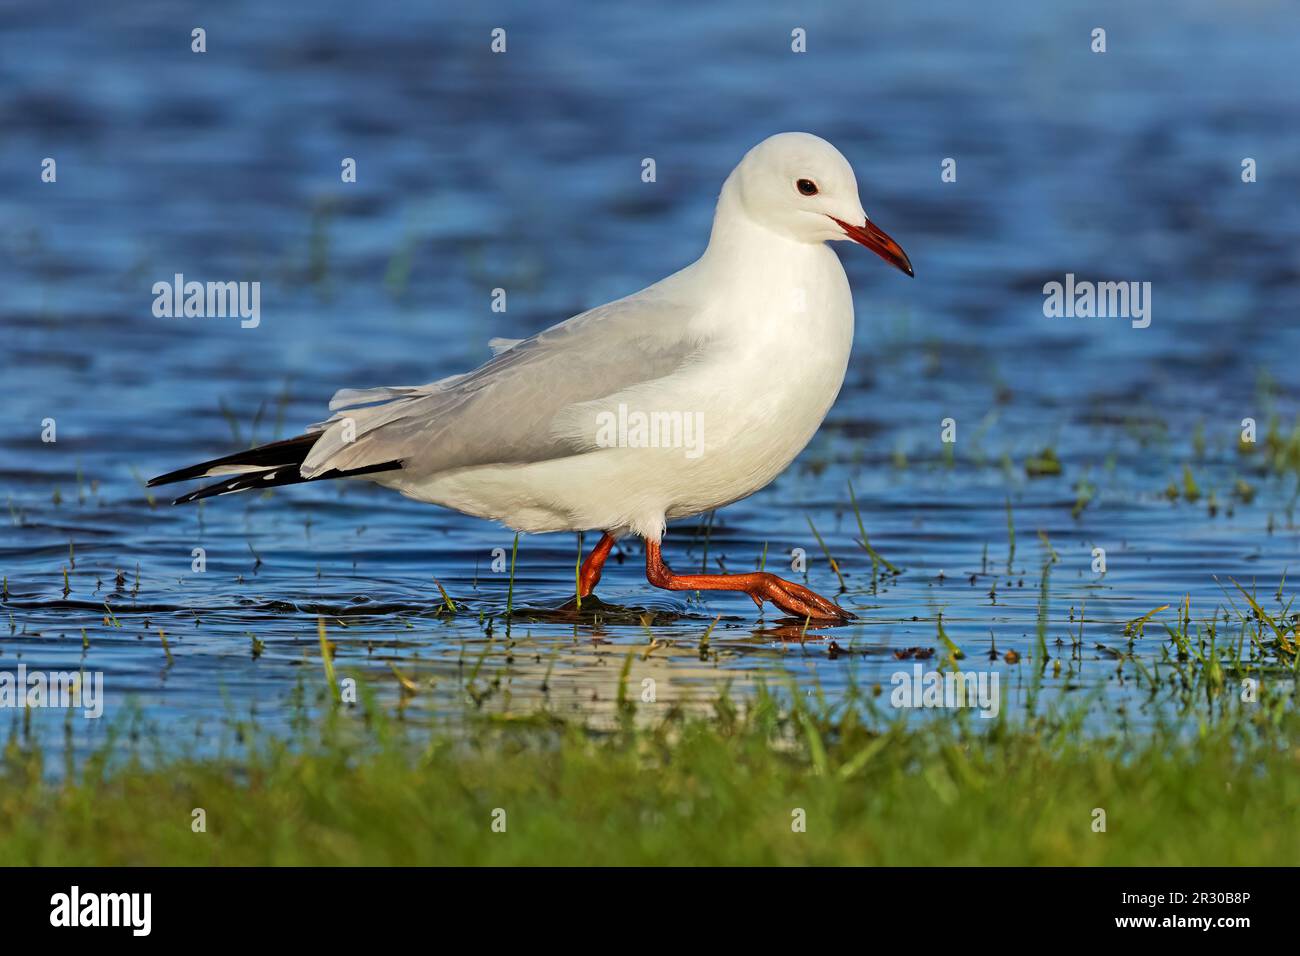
x,y
523,171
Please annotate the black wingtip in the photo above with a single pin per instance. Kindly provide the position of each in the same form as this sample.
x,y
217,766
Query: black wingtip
x,y
182,474
288,451
274,478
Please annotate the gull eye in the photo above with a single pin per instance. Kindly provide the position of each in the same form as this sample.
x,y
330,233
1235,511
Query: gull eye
x,y
807,187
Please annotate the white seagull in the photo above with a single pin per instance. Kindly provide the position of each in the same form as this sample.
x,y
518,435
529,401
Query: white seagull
x,y
684,397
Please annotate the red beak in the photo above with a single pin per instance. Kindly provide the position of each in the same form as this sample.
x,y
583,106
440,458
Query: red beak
x,y
875,239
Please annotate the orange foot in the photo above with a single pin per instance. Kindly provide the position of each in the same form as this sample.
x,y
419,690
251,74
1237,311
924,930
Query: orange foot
x,y
794,599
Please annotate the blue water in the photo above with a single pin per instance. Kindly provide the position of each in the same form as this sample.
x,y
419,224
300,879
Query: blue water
x,y
522,171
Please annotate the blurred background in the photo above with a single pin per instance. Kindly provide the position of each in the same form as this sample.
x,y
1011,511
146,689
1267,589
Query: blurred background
x,y
522,170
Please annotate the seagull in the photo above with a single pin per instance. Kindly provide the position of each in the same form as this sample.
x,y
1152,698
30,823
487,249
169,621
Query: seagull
x,y
682,398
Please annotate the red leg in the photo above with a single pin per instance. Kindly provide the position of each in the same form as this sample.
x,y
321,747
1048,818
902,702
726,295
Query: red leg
x,y
794,599
589,575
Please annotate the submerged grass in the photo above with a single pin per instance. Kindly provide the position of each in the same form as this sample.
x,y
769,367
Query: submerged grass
x,y
777,779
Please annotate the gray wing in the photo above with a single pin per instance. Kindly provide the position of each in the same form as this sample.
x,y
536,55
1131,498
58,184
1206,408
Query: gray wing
x,y
506,410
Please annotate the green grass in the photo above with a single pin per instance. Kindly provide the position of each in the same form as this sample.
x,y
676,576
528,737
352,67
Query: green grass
x,y
724,788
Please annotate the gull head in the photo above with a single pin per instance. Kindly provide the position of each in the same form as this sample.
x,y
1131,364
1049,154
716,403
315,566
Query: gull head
x,y
801,187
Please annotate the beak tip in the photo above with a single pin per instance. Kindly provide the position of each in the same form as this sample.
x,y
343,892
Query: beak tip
x,y
879,242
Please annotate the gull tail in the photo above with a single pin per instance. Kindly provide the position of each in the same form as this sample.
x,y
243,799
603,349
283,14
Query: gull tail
x,y
265,466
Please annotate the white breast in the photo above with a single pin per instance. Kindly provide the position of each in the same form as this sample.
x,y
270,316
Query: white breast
x,y
765,395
